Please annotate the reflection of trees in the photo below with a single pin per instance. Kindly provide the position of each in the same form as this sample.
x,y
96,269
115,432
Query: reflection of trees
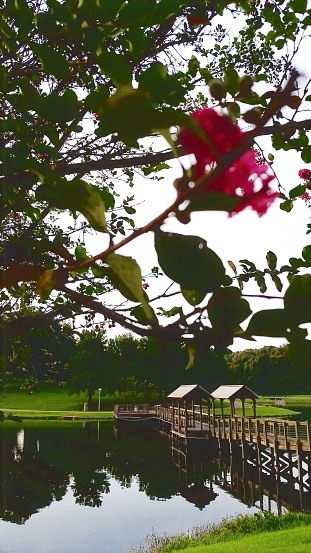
x,y
28,484
31,479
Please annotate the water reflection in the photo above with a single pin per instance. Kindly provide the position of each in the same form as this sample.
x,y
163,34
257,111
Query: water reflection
x,y
41,464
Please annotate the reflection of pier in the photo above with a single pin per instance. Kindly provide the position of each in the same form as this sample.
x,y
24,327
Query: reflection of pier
x,y
253,473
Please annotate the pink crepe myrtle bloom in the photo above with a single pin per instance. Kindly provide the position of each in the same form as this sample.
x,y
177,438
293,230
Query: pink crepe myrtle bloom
x,y
238,180
145,285
304,174
306,196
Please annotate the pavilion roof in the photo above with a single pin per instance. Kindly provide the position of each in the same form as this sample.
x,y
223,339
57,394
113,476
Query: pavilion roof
x,y
234,391
190,391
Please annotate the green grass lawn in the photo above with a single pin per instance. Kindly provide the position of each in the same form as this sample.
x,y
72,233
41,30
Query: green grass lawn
x,y
295,540
47,397
258,533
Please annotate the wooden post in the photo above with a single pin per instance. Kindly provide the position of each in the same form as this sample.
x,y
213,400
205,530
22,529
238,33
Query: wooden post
x,y
243,407
232,407
193,421
222,408
179,421
186,418
201,425
254,407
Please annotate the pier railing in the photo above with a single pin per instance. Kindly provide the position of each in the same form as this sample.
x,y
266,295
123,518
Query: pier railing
x,y
279,433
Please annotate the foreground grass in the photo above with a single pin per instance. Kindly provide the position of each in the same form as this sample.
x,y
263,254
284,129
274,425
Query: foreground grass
x,y
296,540
259,533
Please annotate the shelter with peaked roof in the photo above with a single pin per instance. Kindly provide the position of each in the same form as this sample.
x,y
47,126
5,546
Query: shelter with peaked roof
x,y
184,399
232,392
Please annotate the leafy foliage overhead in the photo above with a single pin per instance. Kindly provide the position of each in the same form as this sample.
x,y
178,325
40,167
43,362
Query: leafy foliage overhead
x,y
85,88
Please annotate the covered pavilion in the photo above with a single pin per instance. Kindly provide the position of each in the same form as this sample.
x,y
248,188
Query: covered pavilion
x,y
232,392
189,395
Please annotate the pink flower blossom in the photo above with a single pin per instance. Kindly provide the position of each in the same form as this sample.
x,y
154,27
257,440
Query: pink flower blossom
x,y
304,174
306,196
145,285
102,325
239,179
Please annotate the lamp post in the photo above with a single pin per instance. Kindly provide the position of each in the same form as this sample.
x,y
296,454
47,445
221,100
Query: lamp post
x,y
99,390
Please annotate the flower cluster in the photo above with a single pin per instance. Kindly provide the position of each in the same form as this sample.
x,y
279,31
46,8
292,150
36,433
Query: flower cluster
x,y
304,174
242,178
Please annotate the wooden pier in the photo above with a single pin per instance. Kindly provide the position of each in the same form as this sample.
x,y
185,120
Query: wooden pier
x,y
198,422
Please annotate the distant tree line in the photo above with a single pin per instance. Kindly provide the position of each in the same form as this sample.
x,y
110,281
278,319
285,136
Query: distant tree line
x,y
88,360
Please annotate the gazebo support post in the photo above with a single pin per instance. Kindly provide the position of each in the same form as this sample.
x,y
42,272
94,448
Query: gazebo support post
x,y
232,407
179,415
243,407
254,407
222,408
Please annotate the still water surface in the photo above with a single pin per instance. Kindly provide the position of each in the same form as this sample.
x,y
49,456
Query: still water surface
x,y
81,487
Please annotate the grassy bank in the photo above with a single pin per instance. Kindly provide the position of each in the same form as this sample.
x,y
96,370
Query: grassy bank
x,y
49,398
260,533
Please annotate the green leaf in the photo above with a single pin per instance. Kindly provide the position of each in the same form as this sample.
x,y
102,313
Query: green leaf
x,y
271,260
77,195
306,155
80,253
286,206
194,297
252,266
227,308
176,253
297,299
59,108
306,253
213,201
277,281
268,322
297,191
53,62
298,6
125,275
116,67
139,314
260,279
46,283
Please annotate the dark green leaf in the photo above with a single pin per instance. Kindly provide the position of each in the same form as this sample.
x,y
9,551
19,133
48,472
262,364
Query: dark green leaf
x,y
269,322
116,67
176,253
53,62
194,297
297,191
297,299
271,260
306,253
227,308
306,155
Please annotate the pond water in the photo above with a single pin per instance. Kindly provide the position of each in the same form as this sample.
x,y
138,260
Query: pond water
x,y
71,487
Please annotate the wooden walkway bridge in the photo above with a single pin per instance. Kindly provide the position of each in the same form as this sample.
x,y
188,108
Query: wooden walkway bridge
x,y
198,422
